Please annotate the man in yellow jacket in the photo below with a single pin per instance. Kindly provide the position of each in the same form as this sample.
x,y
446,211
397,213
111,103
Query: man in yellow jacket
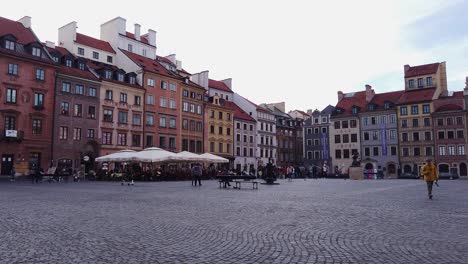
x,y
429,172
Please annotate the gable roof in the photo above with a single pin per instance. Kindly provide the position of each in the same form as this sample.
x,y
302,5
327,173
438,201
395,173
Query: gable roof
x,y
357,99
150,65
328,110
380,99
143,38
454,101
23,35
238,112
415,96
218,85
94,43
422,70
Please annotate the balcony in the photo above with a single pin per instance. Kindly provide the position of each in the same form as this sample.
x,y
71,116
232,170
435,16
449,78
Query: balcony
x,y
11,135
38,107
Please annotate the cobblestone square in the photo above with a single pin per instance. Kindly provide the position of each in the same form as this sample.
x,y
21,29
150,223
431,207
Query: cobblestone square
x,y
313,221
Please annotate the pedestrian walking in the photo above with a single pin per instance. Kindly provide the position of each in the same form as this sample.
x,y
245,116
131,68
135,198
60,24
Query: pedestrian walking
x,y
196,174
12,174
430,175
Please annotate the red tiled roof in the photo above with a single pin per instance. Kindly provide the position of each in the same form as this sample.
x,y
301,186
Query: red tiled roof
x,y
150,65
414,96
143,39
380,99
238,112
218,85
94,43
23,35
449,107
62,51
458,94
86,74
422,70
358,99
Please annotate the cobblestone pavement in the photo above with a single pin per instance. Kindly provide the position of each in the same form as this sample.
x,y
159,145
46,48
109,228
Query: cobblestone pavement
x,y
313,221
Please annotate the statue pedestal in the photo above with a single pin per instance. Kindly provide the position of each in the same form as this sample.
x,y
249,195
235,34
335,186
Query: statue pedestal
x,y
355,173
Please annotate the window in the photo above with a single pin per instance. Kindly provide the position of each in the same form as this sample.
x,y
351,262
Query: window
x,y
36,52
162,102
345,138
130,48
162,142
108,95
365,121
37,127
426,109
185,93
91,133
163,85
172,104
65,108
324,130
367,152
123,97
461,150
414,109
427,136
375,135
162,121
96,56
107,138
220,130
228,116
353,137
403,110
92,91
346,153
441,134
374,120
375,151
220,147
192,108
149,141
63,132
172,87
393,134
415,122
383,119
123,117
80,51
449,121
109,59
405,152
137,100
451,150
136,140
108,115
316,130
78,110
199,109
212,146
220,115
11,95
150,82
68,63
144,52
120,77
132,80
172,143
38,99
354,110
404,137
427,122
149,119
9,45
459,120
150,99
337,139
40,74
404,123
185,145
417,152
199,126
344,124
81,66
108,74
338,154
172,123
450,134
185,106
77,133
79,89
411,83
415,136
366,136
13,69
440,122
122,139
460,134
228,132
420,82
428,81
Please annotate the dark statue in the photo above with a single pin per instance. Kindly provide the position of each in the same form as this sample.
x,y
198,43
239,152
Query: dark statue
x,y
356,160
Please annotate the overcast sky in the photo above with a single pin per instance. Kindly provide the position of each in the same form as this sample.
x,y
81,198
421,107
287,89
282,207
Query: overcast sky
x,y
300,52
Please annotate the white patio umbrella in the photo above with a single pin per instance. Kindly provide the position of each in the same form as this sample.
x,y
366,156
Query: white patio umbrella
x,y
188,156
213,158
123,155
155,155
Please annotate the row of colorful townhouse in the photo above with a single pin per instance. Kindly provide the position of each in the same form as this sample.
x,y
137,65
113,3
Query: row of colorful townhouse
x,y
393,132
64,105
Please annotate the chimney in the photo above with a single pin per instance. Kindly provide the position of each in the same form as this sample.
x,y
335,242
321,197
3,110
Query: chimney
x,y
369,93
309,111
340,95
228,82
466,82
406,67
50,44
152,37
172,58
200,78
137,31
26,21
179,65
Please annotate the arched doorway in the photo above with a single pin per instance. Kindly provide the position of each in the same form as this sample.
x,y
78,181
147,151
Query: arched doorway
x,y
463,169
369,166
444,167
391,169
407,169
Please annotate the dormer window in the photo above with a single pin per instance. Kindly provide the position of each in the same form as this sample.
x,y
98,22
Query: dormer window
x,y
68,63
120,77
81,66
354,110
55,58
108,74
371,107
387,105
36,51
130,47
132,80
9,45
